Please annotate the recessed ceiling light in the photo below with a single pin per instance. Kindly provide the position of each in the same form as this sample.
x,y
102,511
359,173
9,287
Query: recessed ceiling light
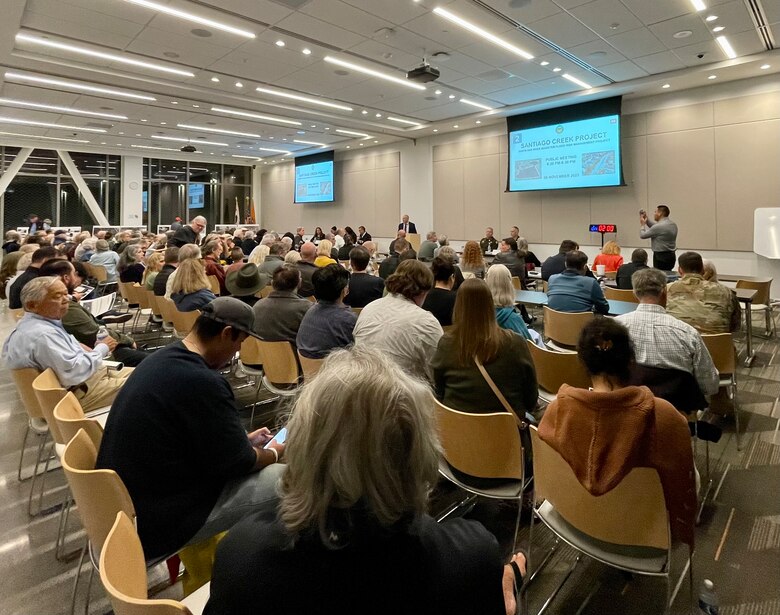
x,y
75,86
185,140
16,134
711,77
544,63
144,120
23,103
215,79
488,36
451,96
164,8
478,122
137,135
326,128
280,43
308,99
45,42
255,116
11,120
348,146
711,18
352,133
666,86
378,115
364,112
699,5
682,34
726,47
376,141
306,51
121,133
309,143
764,66
313,126
102,143
220,131
163,123
456,126
435,130
374,73
403,121
556,70
174,102
719,28
196,106
437,92
466,101
239,84
361,145
579,82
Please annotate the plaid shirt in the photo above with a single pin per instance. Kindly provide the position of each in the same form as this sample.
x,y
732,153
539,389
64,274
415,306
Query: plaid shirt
x,y
660,340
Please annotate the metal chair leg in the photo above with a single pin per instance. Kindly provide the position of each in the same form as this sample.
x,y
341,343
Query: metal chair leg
x,y
36,474
21,456
736,415
75,590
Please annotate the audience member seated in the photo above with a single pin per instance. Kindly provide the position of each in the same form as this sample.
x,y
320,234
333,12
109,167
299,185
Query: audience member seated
x,y
607,431
448,253
154,265
329,323
211,252
661,340
318,235
84,251
609,257
245,283
488,243
352,526
393,244
8,271
186,252
362,236
472,263
292,257
397,325
425,253
191,289
80,323
708,307
260,253
106,258
624,272
249,243
324,250
307,268
188,233
444,242
275,258
237,260
39,258
573,291
40,341
278,317
170,263
12,242
388,266
476,339
508,255
175,438
343,251
131,267
556,264
363,288
710,272
499,281
441,300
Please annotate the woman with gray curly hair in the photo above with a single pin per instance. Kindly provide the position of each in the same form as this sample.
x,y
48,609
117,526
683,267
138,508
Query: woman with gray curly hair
x,y
352,531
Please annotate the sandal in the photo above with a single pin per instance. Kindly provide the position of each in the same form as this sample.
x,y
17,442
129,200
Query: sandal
x,y
516,570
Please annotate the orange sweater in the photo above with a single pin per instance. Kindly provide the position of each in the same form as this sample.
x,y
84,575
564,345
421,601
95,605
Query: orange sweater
x,y
603,436
611,262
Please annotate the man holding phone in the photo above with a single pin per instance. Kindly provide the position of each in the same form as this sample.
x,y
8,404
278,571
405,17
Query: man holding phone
x,y
175,438
662,233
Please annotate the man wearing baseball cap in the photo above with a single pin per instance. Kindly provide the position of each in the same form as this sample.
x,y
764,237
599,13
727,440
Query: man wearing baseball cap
x,y
175,438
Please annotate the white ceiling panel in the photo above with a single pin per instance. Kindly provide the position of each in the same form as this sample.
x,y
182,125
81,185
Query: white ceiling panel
x,y
570,4
659,62
441,33
184,44
597,53
636,43
564,30
113,8
733,16
485,88
319,30
394,12
216,38
666,30
379,52
623,71
533,71
116,34
345,16
519,94
528,12
263,11
654,11
620,19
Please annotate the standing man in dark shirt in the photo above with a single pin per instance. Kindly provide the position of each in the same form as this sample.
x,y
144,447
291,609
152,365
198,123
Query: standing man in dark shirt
x,y
39,258
363,287
662,233
624,272
175,438
190,233
406,226
170,263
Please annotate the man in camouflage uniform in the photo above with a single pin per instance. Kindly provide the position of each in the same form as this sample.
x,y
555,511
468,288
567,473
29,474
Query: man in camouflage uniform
x,y
709,307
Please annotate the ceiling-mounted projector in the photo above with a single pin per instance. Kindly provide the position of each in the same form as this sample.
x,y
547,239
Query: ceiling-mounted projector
x,y
189,149
423,74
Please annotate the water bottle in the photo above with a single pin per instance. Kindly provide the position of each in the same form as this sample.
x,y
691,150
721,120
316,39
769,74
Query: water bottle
x,y
102,334
708,601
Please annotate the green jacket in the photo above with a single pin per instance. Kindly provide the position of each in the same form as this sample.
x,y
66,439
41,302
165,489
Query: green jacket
x,y
81,324
708,307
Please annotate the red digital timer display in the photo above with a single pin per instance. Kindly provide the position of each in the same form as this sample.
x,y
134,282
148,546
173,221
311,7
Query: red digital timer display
x,y
603,228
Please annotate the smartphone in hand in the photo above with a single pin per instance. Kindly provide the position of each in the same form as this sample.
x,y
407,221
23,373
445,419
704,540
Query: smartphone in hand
x,y
279,438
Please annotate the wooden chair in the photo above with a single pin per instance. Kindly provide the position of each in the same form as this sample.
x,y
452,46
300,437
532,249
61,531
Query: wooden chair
x,y
556,368
69,418
481,446
281,375
16,313
265,291
214,281
357,310
762,302
310,367
516,282
184,321
724,355
123,573
311,298
99,274
563,328
626,528
250,359
168,310
620,294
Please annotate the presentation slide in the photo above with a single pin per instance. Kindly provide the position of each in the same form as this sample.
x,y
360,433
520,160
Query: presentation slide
x,y
196,198
314,182
579,154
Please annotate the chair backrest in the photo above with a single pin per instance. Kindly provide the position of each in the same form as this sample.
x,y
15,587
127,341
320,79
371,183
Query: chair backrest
x,y
184,321
214,281
17,313
123,573
69,417
250,353
279,363
310,367
480,445
620,294
516,283
265,291
153,303
357,310
610,275
311,298
139,295
545,286
99,273
556,368
678,387
125,289
763,288
23,379
633,513
49,392
564,327
99,494
722,351
167,308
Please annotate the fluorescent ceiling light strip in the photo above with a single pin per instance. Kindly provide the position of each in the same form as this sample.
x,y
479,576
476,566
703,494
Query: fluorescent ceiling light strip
x,y
255,116
310,143
168,10
726,47
698,5
23,103
352,133
75,86
277,151
374,73
466,101
11,120
403,121
16,134
313,101
249,157
44,42
488,36
221,131
579,82
165,149
195,141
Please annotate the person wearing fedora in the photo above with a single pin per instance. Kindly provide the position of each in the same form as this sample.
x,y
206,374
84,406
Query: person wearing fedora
x,y
246,282
177,407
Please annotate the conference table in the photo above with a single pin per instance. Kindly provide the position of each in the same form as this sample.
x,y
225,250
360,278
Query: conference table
x,y
538,299
745,296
